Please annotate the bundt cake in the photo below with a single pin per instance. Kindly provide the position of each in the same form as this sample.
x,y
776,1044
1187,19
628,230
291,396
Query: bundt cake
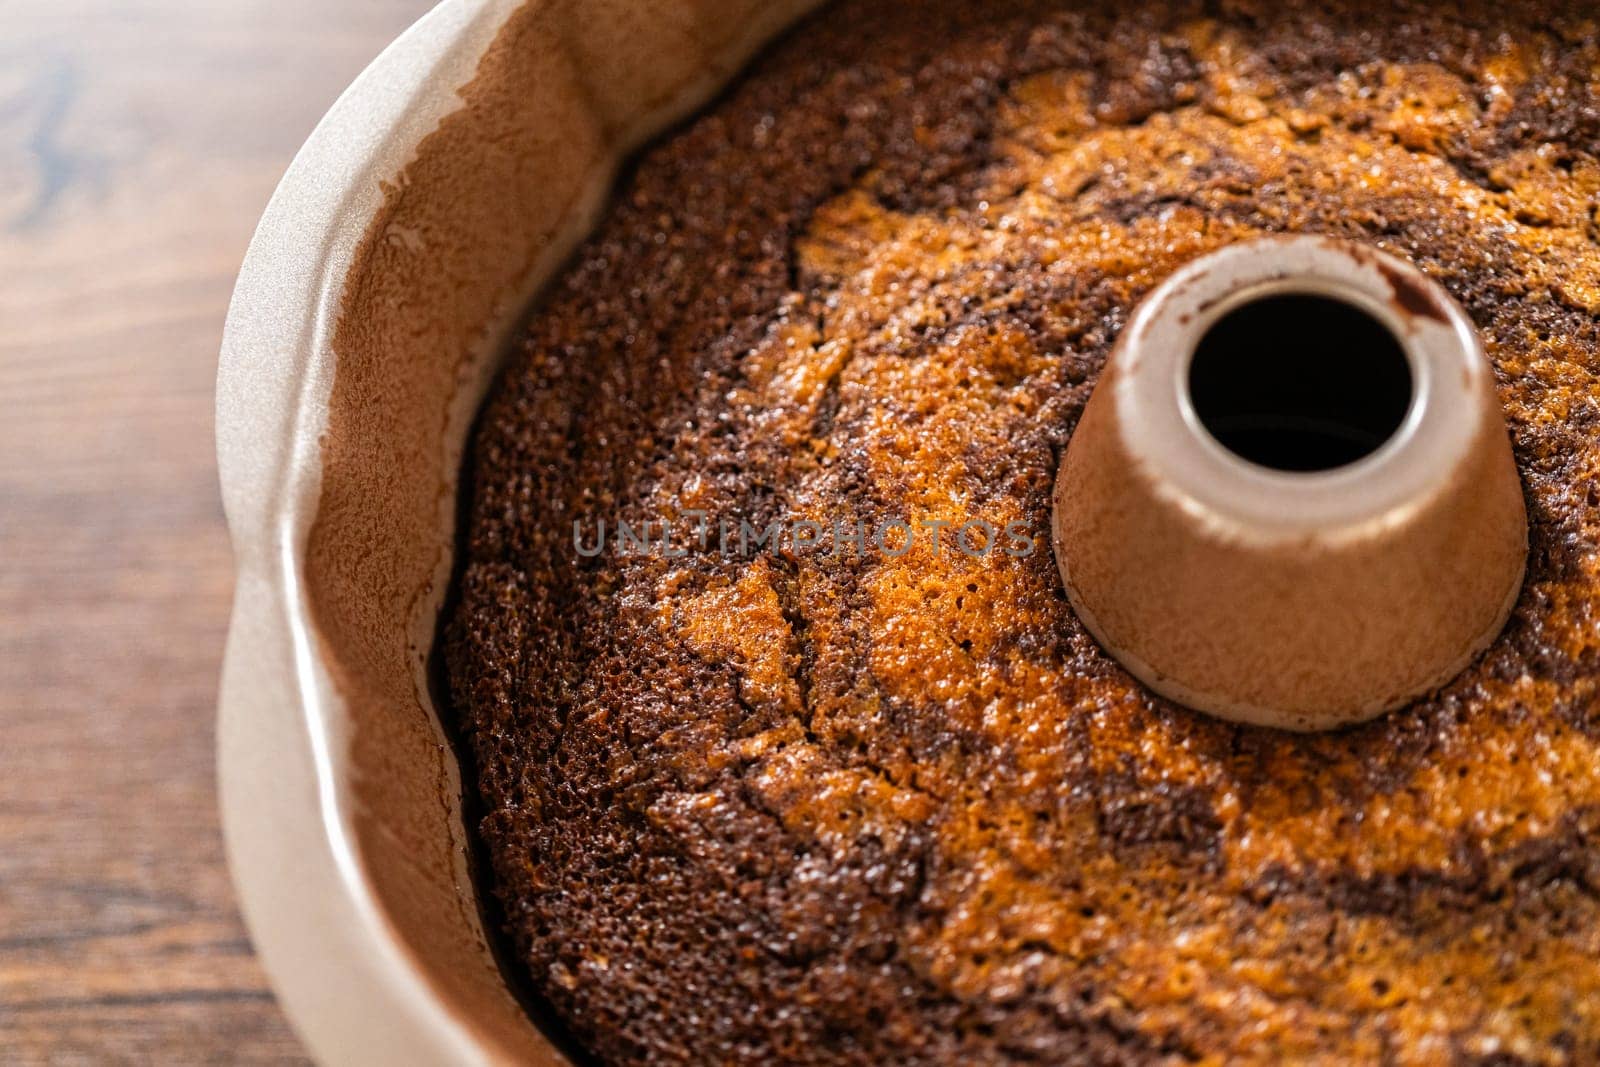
x,y
859,788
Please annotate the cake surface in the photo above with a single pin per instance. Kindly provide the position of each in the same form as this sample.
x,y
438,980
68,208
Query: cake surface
x,y
787,803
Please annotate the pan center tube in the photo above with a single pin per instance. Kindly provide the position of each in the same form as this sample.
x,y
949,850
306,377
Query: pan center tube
x,y
1291,499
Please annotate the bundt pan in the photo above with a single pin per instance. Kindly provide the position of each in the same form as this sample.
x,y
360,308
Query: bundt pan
x,y
445,185
409,235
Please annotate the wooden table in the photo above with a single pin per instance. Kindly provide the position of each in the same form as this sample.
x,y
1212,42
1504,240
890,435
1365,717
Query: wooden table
x,y
139,141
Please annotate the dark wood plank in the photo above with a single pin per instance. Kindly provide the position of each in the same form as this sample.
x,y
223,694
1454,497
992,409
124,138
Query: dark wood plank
x,y
139,141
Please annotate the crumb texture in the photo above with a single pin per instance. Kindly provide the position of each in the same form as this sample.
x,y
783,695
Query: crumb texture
x,y
789,806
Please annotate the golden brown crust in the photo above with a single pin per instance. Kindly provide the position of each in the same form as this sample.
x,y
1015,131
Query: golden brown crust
x,y
810,808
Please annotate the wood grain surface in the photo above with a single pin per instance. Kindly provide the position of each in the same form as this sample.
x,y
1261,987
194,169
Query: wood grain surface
x,y
139,142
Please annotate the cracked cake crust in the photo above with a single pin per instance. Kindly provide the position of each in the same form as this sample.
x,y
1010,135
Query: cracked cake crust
x,y
791,806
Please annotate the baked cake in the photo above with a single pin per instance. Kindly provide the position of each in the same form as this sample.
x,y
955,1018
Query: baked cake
x,y
774,802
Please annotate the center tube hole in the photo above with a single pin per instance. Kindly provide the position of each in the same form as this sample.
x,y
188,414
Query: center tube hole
x,y
1297,382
